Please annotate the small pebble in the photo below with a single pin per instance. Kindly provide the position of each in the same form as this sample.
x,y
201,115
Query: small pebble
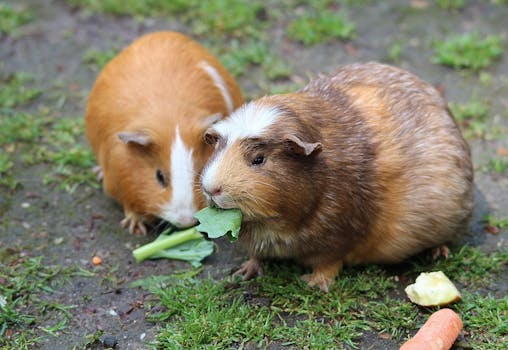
x,y
113,312
25,205
110,342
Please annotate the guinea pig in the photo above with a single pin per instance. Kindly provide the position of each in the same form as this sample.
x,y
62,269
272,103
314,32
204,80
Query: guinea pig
x,y
365,165
145,120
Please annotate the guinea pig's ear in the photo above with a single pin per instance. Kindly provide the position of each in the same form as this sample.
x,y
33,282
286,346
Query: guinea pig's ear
x,y
211,136
208,121
137,137
295,145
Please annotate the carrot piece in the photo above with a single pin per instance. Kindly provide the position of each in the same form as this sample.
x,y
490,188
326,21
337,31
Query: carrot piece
x,y
96,260
438,333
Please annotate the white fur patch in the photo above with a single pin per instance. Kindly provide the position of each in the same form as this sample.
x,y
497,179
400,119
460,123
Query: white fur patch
x,y
219,83
180,210
250,120
210,171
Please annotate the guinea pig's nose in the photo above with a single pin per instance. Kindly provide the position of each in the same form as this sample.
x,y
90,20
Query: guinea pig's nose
x,y
214,191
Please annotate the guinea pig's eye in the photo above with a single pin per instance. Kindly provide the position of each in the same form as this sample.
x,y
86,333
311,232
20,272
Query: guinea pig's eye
x,y
159,175
259,160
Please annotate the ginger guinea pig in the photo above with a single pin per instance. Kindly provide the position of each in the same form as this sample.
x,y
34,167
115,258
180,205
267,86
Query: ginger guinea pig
x,y
145,119
365,165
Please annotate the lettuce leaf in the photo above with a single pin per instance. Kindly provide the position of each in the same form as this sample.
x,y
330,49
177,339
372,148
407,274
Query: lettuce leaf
x,y
219,222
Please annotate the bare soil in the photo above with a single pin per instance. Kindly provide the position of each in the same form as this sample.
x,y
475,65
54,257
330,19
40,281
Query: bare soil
x,y
70,228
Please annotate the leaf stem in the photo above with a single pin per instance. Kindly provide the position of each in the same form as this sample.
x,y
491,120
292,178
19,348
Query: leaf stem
x,y
174,239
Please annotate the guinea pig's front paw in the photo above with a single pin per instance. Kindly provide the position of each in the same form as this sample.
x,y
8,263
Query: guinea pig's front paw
x,y
323,275
134,222
99,174
251,268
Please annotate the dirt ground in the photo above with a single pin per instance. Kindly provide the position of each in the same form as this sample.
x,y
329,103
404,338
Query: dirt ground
x,y
85,223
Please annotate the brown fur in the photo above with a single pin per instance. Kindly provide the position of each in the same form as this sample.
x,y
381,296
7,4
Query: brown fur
x,y
393,175
152,86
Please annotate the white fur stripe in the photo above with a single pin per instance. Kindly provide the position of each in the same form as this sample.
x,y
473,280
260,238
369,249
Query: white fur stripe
x,y
180,210
210,171
250,120
219,83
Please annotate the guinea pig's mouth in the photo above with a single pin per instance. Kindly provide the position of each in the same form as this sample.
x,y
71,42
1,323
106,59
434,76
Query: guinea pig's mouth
x,y
213,203
220,202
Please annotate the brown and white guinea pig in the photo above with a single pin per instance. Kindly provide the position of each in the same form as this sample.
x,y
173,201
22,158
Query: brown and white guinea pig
x,y
365,165
145,119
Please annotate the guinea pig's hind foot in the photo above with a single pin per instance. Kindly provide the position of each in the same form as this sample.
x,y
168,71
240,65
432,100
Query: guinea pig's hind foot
x,y
134,222
323,275
249,269
442,250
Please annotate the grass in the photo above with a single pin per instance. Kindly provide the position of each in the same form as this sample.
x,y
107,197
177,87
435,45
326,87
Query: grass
x,y
320,27
12,18
233,18
394,52
501,223
38,138
485,318
15,91
471,51
239,57
96,60
25,284
14,125
471,116
275,310
451,4
278,308
138,8
236,18
495,165
29,138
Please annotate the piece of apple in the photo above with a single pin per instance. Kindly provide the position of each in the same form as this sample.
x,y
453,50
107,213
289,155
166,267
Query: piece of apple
x,y
432,289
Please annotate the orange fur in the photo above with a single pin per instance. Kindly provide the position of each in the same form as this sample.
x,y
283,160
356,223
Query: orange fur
x,y
152,86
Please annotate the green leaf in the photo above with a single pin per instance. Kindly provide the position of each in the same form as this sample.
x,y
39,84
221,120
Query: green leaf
x,y
192,251
219,222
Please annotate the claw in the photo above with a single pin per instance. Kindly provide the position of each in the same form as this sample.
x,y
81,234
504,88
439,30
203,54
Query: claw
x,y
323,275
99,174
442,250
135,223
249,269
